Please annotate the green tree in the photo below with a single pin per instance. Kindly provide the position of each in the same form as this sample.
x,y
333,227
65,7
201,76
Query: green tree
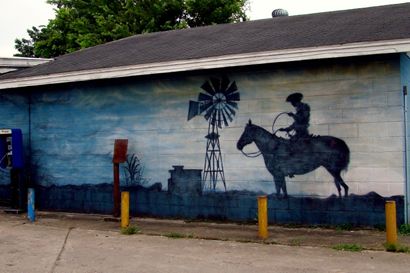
x,y
25,46
209,12
83,23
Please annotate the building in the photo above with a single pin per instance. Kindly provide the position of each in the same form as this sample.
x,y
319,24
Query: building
x,y
8,64
352,68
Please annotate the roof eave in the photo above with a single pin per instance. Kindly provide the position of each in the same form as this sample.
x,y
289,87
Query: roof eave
x,y
22,62
267,57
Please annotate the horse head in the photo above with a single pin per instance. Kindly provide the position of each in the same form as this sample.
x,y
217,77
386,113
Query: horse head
x,y
264,140
247,136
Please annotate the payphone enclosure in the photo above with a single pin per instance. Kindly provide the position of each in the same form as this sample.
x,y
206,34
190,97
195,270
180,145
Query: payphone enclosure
x,y
12,162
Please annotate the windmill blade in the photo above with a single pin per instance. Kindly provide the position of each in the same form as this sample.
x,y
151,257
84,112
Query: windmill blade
x,y
228,115
218,109
224,118
233,97
232,88
193,109
224,84
232,103
230,111
216,83
204,97
205,106
208,88
210,111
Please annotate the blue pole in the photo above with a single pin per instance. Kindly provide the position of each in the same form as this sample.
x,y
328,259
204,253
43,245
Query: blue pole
x,y
31,213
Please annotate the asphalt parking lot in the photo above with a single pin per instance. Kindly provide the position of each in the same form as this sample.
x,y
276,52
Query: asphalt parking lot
x,y
59,242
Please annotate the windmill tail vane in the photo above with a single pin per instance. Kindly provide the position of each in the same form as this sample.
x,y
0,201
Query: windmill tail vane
x,y
218,103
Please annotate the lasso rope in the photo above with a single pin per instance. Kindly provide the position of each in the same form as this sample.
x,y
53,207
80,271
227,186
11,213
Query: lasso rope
x,y
274,121
258,153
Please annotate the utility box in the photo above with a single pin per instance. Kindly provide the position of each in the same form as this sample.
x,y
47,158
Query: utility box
x,y
120,151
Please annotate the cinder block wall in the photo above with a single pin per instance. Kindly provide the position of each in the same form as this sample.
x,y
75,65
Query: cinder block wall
x,y
355,99
359,101
14,113
364,210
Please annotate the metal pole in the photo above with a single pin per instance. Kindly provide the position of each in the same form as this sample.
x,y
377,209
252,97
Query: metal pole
x,y
406,170
391,223
31,213
263,216
125,209
116,190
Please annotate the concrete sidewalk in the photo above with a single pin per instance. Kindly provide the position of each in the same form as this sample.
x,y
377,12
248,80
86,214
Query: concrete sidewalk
x,y
369,239
60,242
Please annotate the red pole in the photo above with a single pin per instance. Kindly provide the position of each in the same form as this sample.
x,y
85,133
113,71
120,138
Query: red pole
x,y
116,191
120,156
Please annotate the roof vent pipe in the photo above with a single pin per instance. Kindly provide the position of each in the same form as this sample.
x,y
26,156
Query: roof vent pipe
x,y
279,13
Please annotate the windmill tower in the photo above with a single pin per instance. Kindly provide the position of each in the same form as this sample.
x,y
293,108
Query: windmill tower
x,y
218,103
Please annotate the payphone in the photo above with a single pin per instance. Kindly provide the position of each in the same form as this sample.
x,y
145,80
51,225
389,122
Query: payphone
x,y
12,160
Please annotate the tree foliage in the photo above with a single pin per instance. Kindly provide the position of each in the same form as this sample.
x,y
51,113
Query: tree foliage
x,y
26,46
83,23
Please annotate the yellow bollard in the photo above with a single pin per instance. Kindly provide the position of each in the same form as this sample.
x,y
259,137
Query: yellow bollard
x,y
263,216
391,223
125,209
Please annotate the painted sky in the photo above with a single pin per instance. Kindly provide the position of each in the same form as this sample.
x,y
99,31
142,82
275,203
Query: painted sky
x,y
19,15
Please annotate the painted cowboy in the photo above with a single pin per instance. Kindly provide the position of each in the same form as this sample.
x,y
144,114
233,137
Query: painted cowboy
x,y
301,117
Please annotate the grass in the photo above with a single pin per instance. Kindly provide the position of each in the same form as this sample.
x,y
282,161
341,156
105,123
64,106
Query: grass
x,y
404,229
396,248
176,235
130,230
295,242
348,247
344,227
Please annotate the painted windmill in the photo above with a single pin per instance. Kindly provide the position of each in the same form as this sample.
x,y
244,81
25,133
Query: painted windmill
x,y
217,103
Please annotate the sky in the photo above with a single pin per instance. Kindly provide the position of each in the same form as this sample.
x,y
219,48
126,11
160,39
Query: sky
x,y
16,16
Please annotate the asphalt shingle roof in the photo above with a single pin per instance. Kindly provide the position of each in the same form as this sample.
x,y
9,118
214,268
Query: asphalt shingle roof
x,y
313,30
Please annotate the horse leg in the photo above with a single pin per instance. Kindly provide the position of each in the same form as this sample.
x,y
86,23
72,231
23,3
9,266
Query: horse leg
x,y
344,185
285,192
280,184
335,175
339,181
277,185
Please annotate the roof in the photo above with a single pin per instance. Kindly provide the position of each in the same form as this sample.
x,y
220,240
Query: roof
x,y
374,30
8,64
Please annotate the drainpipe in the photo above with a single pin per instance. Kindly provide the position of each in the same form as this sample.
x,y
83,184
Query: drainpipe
x,y
29,178
405,81
406,180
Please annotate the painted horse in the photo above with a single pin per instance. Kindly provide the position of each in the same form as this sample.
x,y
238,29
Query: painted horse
x,y
286,157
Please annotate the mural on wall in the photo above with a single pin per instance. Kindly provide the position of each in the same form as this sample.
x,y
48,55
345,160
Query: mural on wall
x,y
73,128
218,105
301,153
133,171
153,115
301,118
